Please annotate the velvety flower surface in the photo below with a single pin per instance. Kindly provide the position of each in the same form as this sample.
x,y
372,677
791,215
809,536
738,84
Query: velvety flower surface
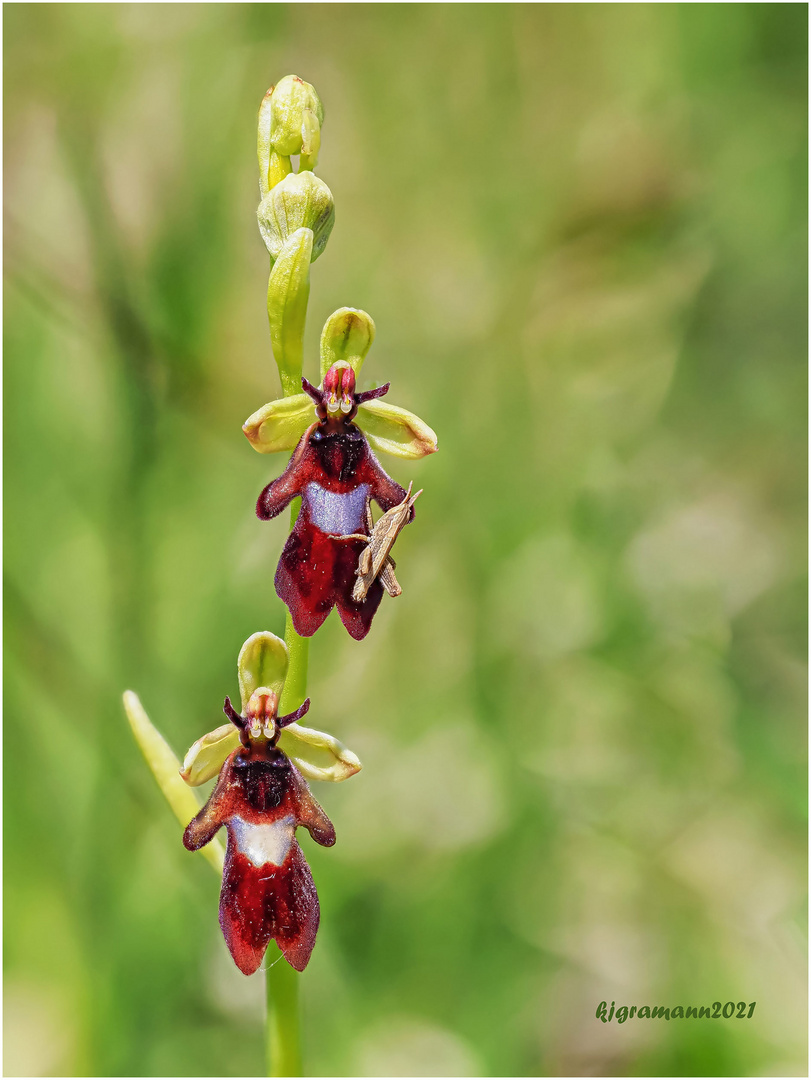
x,y
335,472
261,798
267,888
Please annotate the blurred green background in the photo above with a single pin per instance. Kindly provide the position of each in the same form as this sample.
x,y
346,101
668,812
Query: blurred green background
x,y
581,230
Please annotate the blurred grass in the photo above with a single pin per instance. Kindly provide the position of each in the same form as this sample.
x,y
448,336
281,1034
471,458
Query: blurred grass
x,y
581,230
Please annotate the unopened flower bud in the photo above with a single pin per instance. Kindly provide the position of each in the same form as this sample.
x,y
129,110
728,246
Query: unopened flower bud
x,y
297,116
301,200
290,119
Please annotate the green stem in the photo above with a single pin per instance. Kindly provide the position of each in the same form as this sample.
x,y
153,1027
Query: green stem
x,y
283,1033
283,1030
298,650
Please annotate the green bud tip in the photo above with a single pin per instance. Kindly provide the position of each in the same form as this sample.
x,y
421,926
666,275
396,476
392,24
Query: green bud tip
x,y
290,120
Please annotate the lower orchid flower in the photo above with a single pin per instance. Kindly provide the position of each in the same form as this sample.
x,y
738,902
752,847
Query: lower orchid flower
x,y
337,475
261,797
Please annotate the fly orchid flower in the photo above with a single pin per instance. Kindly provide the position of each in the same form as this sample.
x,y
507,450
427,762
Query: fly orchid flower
x,y
336,473
261,797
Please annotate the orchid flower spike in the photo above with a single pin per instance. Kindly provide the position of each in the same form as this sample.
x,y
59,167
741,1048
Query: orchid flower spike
x,y
261,797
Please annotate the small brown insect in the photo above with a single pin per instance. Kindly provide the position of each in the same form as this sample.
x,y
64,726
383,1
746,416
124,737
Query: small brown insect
x,y
375,560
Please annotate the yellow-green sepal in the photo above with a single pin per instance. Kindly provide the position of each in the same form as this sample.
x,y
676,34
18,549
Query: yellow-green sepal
x,y
273,167
288,293
165,767
347,336
395,431
262,662
207,755
264,147
280,424
316,755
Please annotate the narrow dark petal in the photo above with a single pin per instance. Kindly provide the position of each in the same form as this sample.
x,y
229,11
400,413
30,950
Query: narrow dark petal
x,y
370,395
234,716
278,494
292,717
316,394
265,508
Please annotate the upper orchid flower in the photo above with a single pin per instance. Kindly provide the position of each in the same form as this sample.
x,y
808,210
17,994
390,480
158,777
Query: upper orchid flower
x,y
346,339
261,797
336,473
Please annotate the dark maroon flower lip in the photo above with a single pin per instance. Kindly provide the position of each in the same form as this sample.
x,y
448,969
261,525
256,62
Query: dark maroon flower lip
x,y
267,888
336,474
